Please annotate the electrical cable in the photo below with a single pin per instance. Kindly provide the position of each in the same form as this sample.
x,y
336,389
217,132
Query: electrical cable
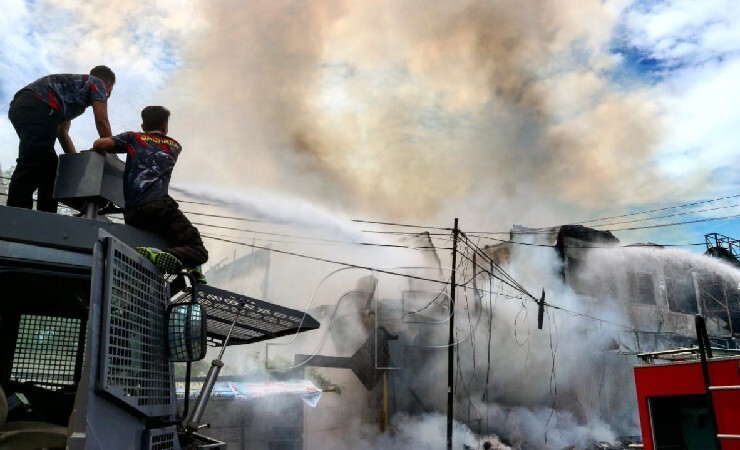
x,y
667,216
217,216
353,220
661,209
404,225
330,243
403,233
483,233
555,307
506,232
329,261
553,380
488,259
371,244
709,219
513,285
547,230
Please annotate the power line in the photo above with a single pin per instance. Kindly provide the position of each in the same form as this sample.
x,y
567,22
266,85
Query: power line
x,y
244,219
444,283
265,233
478,251
353,220
317,241
662,209
537,301
403,233
388,272
668,215
368,244
401,225
542,231
710,219
197,203
547,230
329,261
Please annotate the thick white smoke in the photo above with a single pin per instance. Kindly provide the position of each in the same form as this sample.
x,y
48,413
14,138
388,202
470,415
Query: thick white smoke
x,y
412,109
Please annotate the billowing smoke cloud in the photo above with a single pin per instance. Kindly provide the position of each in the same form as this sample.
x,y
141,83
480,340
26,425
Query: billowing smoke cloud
x,y
409,108
413,109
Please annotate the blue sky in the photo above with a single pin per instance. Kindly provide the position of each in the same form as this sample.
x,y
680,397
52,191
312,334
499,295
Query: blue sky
x,y
419,111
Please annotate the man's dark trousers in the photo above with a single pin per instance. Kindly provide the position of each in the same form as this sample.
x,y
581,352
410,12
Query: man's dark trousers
x,y
164,217
36,124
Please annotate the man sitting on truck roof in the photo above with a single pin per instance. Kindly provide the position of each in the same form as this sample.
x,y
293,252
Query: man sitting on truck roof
x,y
151,158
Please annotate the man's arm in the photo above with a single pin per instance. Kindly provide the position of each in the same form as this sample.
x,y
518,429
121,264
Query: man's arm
x,y
64,139
104,144
100,111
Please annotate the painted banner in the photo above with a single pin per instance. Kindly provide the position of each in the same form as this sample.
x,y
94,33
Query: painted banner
x,y
244,390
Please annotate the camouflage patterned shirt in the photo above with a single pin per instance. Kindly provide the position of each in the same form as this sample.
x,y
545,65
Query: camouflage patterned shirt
x,y
151,159
69,94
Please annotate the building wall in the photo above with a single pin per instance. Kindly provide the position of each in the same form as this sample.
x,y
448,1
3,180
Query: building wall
x,y
656,293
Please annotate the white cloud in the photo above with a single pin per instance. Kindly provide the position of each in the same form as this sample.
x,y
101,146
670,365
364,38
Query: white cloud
x,y
698,46
703,120
686,31
22,52
143,42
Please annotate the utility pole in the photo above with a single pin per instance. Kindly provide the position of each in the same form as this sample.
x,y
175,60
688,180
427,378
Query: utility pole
x,y
451,342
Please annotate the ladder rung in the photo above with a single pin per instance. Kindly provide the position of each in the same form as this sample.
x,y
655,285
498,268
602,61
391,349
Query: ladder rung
x,y
728,436
724,388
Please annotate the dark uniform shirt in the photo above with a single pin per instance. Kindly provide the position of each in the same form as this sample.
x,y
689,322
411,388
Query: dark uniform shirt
x,y
151,158
68,94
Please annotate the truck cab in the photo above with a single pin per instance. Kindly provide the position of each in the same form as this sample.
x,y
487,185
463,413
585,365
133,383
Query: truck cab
x,y
89,329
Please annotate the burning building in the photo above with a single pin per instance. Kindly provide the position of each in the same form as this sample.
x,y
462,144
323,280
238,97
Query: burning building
x,y
384,342
623,300
660,290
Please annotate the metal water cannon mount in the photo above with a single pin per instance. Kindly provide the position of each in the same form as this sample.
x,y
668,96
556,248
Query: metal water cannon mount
x,y
88,181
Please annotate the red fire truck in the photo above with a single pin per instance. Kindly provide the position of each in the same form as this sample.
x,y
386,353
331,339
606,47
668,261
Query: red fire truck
x,y
689,398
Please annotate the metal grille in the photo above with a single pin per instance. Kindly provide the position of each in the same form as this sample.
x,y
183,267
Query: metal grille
x,y
46,351
257,320
135,367
161,439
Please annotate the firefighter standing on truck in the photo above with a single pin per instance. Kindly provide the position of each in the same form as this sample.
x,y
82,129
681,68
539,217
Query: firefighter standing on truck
x,y
41,113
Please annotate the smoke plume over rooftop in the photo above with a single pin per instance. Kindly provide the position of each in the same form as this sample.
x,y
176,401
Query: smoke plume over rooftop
x,y
406,116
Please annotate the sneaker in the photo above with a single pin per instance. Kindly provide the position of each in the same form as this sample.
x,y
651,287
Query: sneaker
x,y
197,273
165,262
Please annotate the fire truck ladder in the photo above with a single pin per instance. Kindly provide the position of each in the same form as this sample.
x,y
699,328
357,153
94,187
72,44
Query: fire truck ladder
x,y
705,352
